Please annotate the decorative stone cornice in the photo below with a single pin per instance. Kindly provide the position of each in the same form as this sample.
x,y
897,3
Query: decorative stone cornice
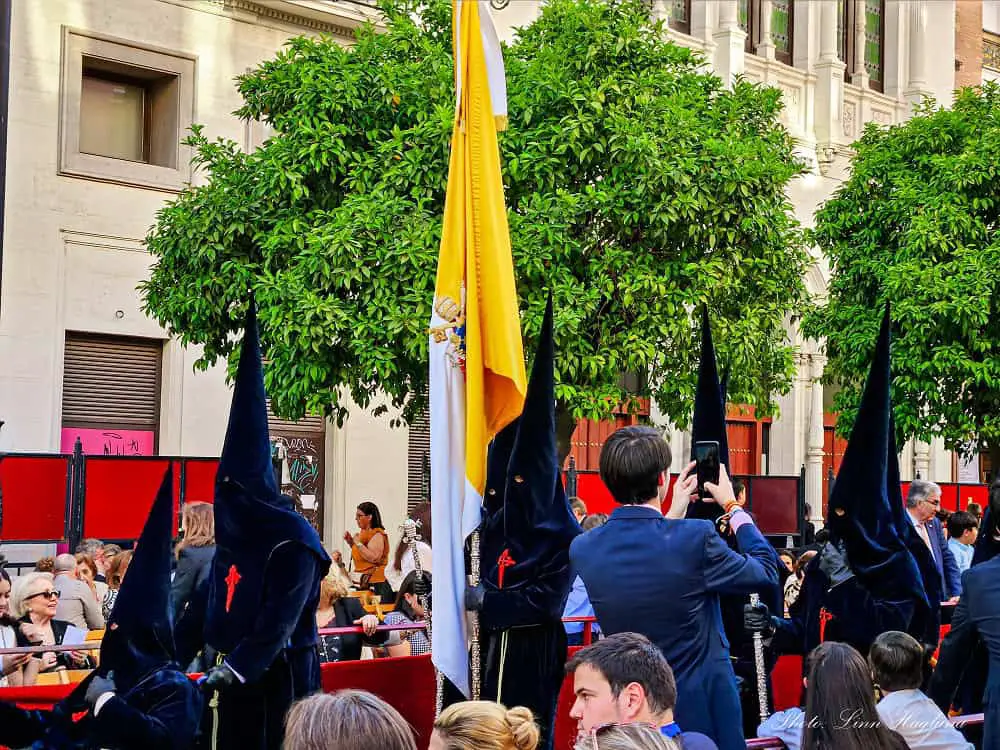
x,y
288,13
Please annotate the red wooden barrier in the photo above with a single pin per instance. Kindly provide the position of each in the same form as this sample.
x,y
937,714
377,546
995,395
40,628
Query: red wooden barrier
x,y
34,491
119,494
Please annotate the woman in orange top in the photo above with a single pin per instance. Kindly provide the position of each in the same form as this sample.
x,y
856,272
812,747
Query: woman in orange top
x,y
370,550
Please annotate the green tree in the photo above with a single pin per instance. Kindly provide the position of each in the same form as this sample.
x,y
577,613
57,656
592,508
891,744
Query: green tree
x,y
918,224
638,187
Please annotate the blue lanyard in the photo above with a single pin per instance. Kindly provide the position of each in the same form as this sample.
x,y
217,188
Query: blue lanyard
x,y
670,730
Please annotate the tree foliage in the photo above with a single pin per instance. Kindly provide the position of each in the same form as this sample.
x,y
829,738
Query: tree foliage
x,y
638,187
917,224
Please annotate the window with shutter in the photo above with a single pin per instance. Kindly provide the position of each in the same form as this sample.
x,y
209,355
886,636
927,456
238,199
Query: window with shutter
x,y
111,394
418,472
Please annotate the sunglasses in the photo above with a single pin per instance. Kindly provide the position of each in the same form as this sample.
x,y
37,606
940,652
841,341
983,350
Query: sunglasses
x,y
605,728
50,595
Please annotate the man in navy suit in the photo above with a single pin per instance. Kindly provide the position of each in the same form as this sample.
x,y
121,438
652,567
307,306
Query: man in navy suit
x,y
977,614
662,577
922,503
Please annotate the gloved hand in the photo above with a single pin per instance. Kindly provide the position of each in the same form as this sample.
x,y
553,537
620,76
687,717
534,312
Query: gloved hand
x,y
219,678
99,686
474,596
421,586
757,619
833,563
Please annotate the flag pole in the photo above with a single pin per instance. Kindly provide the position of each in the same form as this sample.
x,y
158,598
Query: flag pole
x,y
475,655
410,537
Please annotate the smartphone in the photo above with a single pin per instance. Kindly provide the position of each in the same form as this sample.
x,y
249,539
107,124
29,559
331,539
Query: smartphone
x,y
706,453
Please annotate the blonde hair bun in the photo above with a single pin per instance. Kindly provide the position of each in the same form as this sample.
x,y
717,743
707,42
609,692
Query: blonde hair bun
x,y
523,728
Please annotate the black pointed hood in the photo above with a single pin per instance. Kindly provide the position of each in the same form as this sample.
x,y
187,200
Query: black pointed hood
x,y
138,638
496,468
533,524
251,516
867,488
246,453
987,546
709,421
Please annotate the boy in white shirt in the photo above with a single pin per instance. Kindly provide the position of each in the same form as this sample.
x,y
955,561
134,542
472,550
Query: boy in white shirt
x,y
963,530
896,661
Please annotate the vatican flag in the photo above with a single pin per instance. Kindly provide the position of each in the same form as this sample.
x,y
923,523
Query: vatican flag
x,y
477,378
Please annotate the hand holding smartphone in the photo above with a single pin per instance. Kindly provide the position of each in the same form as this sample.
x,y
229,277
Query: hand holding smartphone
x,y
706,456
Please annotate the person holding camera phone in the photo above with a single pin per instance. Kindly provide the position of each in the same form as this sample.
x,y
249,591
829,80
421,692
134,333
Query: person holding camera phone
x,y
662,577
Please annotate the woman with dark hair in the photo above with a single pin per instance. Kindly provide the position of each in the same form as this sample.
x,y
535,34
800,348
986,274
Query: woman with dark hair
x,y
370,550
402,561
840,704
409,610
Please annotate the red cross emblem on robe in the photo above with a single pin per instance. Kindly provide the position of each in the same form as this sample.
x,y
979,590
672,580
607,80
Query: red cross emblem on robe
x,y
824,618
503,563
232,579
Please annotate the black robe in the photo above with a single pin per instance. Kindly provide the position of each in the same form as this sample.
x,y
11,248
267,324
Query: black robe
x,y
848,613
532,656
278,659
162,712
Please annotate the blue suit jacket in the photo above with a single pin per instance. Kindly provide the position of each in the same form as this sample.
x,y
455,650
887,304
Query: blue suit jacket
x,y
662,578
976,615
944,560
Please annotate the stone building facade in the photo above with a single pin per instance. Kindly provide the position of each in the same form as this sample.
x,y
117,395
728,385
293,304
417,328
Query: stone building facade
x,y
80,196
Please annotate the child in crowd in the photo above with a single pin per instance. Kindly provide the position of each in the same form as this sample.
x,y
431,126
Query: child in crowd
x,y
897,660
963,530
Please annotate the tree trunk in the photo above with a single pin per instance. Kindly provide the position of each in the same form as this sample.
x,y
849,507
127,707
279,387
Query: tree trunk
x,y
565,425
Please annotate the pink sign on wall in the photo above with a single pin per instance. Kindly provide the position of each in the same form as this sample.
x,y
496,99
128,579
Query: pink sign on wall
x,y
109,442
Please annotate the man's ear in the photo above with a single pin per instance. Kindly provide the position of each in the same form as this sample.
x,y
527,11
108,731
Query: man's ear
x,y
661,479
633,700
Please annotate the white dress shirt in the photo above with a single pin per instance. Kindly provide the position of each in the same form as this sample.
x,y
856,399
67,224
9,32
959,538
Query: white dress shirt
x,y
921,723
921,527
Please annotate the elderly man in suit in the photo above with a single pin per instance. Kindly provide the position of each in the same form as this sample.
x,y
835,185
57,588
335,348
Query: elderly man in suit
x,y
922,503
662,577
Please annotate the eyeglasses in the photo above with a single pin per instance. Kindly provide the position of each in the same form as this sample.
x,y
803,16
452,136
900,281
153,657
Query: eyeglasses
x,y
604,728
50,595
936,502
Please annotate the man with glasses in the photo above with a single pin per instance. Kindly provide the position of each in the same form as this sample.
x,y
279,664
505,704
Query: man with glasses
x,y
922,504
625,679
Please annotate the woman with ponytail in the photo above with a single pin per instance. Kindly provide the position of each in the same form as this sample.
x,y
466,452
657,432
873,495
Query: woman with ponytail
x,y
483,725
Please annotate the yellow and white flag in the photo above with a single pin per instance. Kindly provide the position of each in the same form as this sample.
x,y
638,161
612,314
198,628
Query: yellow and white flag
x,y
477,378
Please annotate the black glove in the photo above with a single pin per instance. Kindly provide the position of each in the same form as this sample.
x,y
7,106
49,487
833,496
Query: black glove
x,y
757,619
833,563
421,586
99,686
219,678
474,596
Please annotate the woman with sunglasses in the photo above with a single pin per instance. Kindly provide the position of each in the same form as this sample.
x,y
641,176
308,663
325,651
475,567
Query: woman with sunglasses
x,y
626,737
35,601
17,670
